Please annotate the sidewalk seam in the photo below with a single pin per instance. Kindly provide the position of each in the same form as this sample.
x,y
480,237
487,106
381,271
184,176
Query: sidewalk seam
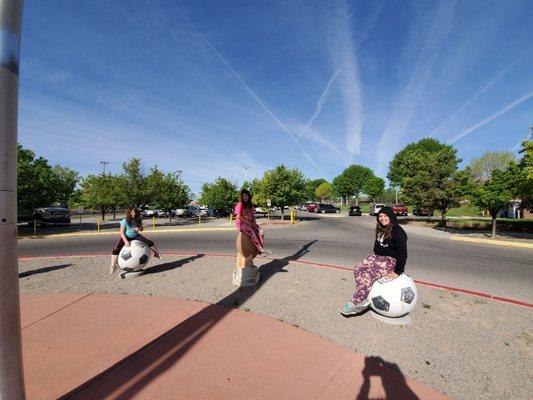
x,y
56,311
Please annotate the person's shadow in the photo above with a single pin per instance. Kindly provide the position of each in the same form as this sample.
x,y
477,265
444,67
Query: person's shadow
x,y
392,379
172,265
129,376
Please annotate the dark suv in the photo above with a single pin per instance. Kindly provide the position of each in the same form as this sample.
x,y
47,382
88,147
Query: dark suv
x,y
327,208
51,215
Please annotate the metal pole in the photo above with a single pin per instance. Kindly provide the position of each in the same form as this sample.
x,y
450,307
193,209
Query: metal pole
x,y
11,373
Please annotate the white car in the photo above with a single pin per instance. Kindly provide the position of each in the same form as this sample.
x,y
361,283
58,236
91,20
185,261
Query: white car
x,y
180,212
376,207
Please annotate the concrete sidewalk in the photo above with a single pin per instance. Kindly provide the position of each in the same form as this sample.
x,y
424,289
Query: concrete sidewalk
x,y
105,346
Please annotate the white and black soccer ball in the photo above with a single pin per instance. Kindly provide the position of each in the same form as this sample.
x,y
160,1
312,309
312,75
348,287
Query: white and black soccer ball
x,y
135,257
393,298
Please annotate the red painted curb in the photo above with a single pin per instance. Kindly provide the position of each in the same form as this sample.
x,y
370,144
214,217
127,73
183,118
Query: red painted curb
x,y
332,266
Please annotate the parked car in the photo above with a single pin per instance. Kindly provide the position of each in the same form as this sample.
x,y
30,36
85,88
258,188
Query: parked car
x,y
148,213
418,210
311,207
327,208
203,211
180,212
221,213
50,215
261,210
399,209
193,211
355,211
376,207
159,213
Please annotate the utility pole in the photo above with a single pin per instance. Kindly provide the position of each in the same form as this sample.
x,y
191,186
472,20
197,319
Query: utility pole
x,y
104,163
246,168
11,373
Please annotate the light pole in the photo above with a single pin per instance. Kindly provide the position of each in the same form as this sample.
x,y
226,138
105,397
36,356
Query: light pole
x,y
246,168
11,373
104,163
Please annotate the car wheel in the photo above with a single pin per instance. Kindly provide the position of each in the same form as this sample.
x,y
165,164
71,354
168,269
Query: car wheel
x,y
323,211
337,211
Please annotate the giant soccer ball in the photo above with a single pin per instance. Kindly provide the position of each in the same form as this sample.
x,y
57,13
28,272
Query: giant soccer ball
x,y
393,298
135,257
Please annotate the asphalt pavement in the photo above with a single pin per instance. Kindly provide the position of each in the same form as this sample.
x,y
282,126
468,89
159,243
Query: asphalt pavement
x,y
342,240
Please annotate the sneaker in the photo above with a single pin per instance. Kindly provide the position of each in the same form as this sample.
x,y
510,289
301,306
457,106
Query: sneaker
x,y
266,253
353,309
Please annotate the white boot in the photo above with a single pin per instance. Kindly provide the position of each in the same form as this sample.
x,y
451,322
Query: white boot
x,y
247,276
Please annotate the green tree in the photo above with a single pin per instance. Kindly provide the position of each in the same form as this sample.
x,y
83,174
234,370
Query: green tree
x,y
426,171
103,192
374,187
136,188
167,191
259,197
37,183
66,181
311,187
221,195
352,181
323,191
525,184
497,192
399,166
481,168
284,187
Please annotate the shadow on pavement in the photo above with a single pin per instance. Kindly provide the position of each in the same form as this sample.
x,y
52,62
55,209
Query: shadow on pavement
x,y
392,380
129,376
43,270
172,265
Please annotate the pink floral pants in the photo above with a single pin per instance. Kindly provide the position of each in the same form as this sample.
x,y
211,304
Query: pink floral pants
x,y
367,272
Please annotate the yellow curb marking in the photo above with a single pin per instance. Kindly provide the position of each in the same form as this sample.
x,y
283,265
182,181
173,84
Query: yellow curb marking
x,y
494,242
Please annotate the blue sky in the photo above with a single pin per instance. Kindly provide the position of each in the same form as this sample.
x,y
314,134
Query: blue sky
x,y
207,87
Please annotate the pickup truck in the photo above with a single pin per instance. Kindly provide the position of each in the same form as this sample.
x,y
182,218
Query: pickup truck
x,y
50,215
399,209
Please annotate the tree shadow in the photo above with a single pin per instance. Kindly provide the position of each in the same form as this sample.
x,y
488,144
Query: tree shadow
x,y
392,379
43,270
171,265
129,376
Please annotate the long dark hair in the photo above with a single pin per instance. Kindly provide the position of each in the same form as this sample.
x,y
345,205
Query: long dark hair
x,y
246,204
129,218
386,230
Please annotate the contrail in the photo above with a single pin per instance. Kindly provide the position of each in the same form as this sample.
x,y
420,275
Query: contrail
x,y
319,105
481,91
248,89
504,110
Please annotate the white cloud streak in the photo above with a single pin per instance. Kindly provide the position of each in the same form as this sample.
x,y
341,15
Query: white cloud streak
x,y
491,118
480,92
319,105
415,90
346,62
249,90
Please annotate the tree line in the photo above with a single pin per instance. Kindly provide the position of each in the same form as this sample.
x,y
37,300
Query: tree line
x,y
40,184
425,173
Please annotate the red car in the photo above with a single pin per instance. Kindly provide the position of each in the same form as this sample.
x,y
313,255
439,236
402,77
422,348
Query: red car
x,y
399,209
312,207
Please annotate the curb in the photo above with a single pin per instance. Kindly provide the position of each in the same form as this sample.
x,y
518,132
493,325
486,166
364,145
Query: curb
x,y
493,242
314,264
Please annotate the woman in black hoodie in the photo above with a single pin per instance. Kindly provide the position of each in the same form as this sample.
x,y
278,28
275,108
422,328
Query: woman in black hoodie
x,y
388,259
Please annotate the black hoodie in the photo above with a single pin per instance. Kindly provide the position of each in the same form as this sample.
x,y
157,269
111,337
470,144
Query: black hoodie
x,y
396,246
